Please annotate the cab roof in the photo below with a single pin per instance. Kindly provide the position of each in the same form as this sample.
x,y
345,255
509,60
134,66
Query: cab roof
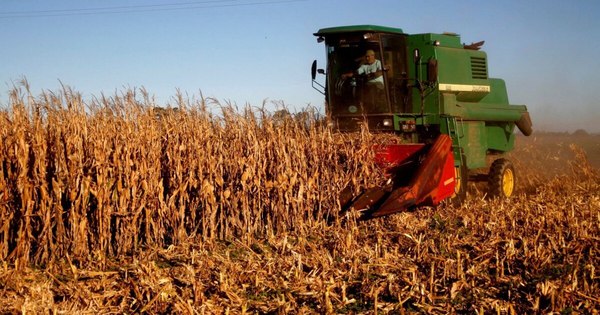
x,y
358,28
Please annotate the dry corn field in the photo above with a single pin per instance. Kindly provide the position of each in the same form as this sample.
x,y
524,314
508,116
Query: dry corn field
x,y
113,206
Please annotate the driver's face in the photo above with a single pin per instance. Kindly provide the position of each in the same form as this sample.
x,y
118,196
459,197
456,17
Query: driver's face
x,y
370,58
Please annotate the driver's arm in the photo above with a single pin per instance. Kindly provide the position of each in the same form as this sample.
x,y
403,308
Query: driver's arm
x,y
377,73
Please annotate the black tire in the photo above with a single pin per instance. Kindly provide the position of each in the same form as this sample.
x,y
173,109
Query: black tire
x,y
502,179
462,179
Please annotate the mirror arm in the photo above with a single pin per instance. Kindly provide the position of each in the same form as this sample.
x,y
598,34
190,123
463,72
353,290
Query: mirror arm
x,y
317,89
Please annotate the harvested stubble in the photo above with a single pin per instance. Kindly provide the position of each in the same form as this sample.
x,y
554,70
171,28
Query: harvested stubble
x,y
264,247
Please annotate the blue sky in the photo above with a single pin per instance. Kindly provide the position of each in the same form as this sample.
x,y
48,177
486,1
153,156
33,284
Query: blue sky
x,y
247,51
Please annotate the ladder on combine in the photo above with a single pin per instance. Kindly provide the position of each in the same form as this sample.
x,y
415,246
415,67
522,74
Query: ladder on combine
x,y
455,135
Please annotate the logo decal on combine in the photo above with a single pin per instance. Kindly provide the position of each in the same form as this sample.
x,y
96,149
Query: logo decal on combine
x,y
464,88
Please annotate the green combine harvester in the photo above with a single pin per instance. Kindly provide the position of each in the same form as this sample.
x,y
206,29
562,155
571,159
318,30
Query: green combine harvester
x,y
435,94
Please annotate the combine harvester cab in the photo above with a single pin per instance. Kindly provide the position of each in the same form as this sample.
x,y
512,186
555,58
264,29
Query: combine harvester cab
x,y
434,93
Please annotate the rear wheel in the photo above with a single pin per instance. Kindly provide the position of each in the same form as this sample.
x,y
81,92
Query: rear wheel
x,y
501,179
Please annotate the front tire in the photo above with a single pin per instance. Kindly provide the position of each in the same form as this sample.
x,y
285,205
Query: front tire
x,y
460,189
502,179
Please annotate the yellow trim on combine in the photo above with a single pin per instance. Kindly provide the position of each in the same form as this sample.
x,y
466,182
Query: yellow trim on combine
x,y
508,182
464,88
448,181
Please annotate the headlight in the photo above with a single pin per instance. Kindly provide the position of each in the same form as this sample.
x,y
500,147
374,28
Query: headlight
x,y
387,122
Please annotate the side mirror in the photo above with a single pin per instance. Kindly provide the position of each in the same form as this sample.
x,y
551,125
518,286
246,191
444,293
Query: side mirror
x,y
432,70
313,73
